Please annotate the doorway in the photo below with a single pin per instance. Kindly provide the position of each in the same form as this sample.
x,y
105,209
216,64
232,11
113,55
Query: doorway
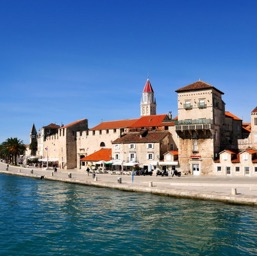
x,y
196,169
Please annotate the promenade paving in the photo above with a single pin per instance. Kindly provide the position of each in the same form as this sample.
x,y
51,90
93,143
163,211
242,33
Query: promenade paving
x,y
236,190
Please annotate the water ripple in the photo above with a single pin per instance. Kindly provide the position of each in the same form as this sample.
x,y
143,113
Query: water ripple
x,y
40,217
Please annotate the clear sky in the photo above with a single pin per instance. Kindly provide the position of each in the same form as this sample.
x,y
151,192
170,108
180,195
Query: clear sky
x,y
65,60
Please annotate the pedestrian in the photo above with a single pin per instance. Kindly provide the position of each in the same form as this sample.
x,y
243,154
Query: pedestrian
x,y
132,175
88,170
7,167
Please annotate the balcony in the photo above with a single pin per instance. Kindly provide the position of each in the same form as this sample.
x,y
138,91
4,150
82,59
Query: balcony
x,y
194,124
202,105
188,106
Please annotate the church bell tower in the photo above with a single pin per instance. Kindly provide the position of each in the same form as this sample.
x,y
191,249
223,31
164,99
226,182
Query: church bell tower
x,y
148,102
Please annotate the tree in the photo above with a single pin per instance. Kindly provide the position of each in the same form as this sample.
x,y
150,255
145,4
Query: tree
x,y
11,149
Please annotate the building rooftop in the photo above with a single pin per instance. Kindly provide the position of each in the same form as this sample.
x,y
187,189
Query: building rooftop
x,y
104,154
142,137
199,85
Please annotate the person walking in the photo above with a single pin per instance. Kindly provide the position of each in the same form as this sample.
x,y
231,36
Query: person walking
x,y
132,175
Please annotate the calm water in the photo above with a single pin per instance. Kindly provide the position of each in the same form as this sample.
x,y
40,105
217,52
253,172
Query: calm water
x,y
40,217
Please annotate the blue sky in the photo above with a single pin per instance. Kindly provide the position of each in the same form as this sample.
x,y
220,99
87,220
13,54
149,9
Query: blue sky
x,y
65,60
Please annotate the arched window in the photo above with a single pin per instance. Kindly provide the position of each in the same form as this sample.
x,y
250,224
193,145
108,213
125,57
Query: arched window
x,y
102,144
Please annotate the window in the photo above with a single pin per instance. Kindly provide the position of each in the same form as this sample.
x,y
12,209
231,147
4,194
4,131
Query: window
x,y
245,157
102,144
237,169
150,156
255,169
93,132
228,170
247,170
107,131
150,145
116,157
100,132
201,103
225,157
195,146
132,146
132,157
114,130
255,121
187,104
218,168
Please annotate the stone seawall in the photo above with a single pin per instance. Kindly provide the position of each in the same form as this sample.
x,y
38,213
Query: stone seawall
x,y
233,191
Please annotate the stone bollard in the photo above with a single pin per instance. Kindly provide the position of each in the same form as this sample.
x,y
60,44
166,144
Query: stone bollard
x,y
31,171
20,170
52,174
95,179
119,180
69,175
150,184
233,191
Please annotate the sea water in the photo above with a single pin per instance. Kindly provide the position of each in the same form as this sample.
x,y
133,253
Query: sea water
x,y
40,217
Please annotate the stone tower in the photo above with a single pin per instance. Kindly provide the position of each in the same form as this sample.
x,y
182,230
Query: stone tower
x,y
33,140
148,102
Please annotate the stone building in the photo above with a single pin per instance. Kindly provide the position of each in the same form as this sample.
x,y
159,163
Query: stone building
x,y
141,148
236,163
58,144
200,125
195,140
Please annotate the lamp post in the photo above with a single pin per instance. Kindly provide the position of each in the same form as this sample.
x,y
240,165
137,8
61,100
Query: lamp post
x,y
46,157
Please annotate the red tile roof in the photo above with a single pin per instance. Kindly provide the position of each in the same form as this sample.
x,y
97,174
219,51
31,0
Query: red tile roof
x,y
250,151
246,127
228,151
254,110
149,121
173,152
199,85
235,158
52,126
73,123
136,137
114,124
148,87
228,114
104,154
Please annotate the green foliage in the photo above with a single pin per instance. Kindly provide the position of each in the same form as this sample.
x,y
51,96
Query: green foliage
x,y
11,149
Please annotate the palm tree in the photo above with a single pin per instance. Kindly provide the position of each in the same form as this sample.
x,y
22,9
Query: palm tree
x,y
11,149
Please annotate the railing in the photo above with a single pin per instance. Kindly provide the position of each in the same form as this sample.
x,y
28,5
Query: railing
x,y
202,105
188,106
194,121
197,124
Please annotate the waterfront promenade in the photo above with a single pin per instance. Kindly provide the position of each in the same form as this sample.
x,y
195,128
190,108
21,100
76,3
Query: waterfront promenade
x,y
236,190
